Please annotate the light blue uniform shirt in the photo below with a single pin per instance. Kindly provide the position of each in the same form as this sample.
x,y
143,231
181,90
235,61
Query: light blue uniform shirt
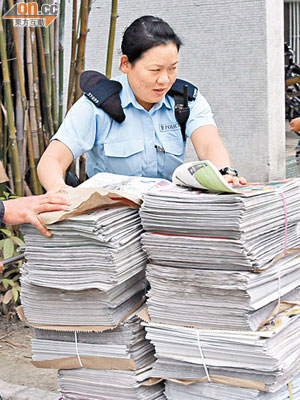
x,y
130,148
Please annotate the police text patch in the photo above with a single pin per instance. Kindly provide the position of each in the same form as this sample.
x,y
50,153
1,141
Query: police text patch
x,y
168,127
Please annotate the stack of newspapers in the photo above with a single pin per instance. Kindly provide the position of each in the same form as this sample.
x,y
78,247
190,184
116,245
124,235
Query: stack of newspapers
x,y
266,359
112,364
126,342
81,290
91,272
221,267
99,385
231,281
207,391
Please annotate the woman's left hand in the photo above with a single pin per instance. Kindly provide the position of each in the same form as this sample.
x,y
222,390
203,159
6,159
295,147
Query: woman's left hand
x,y
235,180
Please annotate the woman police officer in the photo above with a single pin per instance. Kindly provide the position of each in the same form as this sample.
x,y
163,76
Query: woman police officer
x,y
149,141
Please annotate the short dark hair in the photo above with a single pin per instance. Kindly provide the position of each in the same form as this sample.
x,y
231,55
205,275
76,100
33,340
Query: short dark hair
x,y
144,33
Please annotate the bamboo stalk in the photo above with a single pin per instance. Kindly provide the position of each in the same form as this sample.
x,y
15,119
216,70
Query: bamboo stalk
x,y
34,179
111,39
11,180
55,81
10,114
73,56
1,134
84,14
46,41
61,61
36,90
46,94
53,77
19,114
33,122
4,133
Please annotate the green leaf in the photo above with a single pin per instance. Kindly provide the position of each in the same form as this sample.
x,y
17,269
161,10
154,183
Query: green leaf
x,y
6,232
15,294
8,296
6,282
18,241
10,272
8,248
1,243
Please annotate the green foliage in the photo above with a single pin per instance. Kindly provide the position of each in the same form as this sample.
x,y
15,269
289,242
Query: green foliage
x,y
9,278
7,196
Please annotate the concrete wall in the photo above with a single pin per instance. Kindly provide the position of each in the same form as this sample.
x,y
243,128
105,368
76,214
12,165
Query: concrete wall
x,y
233,51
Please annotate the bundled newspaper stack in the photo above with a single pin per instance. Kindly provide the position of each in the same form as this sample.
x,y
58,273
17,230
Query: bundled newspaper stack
x,y
198,279
81,289
207,391
255,219
264,359
113,363
113,385
91,272
219,266
220,299
126,342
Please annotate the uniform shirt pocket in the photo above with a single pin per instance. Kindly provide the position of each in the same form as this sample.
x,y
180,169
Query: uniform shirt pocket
x,y
124,157
174,156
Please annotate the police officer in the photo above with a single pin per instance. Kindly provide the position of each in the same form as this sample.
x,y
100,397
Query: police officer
x,y
149,141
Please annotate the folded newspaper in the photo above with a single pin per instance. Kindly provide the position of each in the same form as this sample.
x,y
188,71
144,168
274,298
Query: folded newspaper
x,y
202,175
104,190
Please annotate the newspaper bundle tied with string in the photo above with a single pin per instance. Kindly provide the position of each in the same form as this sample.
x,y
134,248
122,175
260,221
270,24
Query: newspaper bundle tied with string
x,y
81,290
224,274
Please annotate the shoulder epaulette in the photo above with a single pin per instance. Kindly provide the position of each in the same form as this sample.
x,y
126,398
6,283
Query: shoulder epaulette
x,y
103,92
178,88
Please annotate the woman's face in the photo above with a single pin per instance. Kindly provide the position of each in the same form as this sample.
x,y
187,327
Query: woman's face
x,y
151,76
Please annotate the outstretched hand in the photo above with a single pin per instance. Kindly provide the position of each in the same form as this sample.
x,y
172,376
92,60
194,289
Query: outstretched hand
x,y
295,125
27,209
235,180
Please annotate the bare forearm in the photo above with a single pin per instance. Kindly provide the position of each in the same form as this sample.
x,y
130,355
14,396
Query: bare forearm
x,y
218,155
50,173
209,146
53,165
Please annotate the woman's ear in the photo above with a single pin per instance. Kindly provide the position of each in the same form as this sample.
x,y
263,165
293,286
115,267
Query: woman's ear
x,y
124,64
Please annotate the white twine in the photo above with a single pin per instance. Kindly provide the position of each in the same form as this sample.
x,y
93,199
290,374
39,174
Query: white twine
x,y
77,352
202,356
285,241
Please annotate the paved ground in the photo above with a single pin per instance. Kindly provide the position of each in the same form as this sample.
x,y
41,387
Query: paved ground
x,y
9,391
15,357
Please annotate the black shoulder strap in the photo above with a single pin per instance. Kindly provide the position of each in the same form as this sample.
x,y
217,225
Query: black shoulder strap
x,y
182,91
178,89
104,93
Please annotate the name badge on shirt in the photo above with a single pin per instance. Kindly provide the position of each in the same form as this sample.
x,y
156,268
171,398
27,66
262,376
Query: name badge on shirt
x,y
168,127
